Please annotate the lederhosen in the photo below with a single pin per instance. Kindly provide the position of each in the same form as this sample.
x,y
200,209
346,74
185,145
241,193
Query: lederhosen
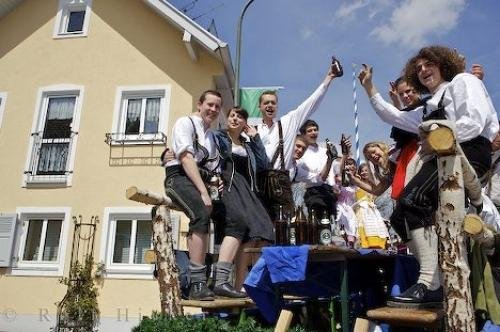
x,y
419,199
181,190
321,198
275,187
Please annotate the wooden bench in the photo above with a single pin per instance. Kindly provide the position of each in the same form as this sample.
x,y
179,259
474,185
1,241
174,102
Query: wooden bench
x,y
219,304
430,318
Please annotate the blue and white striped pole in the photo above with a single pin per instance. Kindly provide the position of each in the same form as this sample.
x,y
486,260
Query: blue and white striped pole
x,y
356,123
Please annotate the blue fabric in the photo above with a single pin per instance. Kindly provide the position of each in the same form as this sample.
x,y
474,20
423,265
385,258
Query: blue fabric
x,y
490,327
286,263
406,270
287,269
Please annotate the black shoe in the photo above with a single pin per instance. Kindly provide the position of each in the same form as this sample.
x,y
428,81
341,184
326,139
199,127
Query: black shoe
x,y
200,292
226,290
418,296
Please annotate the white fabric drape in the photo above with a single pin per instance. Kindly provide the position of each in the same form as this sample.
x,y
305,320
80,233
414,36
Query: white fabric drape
x,y
152,115
121,250
133,120
53,158
61,108
142,240
51,247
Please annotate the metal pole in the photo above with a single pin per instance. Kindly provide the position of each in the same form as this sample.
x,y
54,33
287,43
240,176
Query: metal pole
x,y
238,55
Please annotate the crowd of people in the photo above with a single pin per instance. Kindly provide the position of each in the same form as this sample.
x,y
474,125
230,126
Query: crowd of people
x,y
260,173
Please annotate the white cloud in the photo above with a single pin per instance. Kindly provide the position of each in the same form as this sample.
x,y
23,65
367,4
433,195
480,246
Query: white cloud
x,y
347,10
305,33
414,20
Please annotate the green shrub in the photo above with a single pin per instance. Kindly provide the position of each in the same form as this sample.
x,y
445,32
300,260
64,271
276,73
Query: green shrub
x,y
161,323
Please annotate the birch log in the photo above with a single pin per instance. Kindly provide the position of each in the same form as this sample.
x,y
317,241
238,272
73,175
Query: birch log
x,y
459,312
168,274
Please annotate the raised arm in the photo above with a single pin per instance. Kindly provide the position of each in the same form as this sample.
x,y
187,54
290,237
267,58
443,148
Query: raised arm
x,y
408,121
257,148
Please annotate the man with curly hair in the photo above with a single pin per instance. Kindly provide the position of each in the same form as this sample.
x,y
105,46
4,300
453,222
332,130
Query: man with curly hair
x,y
456,96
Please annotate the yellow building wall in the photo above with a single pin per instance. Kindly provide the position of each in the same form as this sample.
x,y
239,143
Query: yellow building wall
x,y
127,44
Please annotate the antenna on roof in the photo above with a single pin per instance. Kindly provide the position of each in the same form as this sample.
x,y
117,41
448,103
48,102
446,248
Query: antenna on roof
x,y
209,11
189,6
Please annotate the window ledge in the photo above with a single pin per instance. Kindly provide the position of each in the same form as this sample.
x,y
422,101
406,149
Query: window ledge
x,y
44,181
70,35
130,272
33,270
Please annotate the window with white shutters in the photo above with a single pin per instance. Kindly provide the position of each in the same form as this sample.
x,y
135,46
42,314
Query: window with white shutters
x,y
7,231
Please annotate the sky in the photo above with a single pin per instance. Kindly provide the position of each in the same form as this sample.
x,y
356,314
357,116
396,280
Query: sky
x,y
289,43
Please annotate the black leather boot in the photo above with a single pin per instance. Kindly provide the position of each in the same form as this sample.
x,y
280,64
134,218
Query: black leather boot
x,y
199,291
226,290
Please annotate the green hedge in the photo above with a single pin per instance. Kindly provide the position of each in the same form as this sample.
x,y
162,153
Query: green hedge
x,y
160,323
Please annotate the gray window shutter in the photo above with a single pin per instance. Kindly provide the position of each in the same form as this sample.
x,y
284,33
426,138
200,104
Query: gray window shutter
x,y
7,227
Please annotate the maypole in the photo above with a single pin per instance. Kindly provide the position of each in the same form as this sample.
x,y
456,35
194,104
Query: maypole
x,y
356,122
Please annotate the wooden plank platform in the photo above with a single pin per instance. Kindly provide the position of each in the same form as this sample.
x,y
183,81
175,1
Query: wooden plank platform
x,y
219,303
407,317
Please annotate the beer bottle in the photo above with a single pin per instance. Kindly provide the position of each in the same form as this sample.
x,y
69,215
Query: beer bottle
x,y
292,235
324,230
339,236
302,227
280,228
213,188
313,239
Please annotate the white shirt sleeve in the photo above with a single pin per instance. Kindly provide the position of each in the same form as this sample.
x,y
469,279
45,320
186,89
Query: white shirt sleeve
x,y
467,94
292,121
182,137
408,121
304,175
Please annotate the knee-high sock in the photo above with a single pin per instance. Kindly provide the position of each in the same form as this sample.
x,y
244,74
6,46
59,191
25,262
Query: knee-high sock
x,y
424,246
222,272
197,273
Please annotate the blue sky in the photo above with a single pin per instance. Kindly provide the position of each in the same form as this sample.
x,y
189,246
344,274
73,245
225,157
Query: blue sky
x,y
289,43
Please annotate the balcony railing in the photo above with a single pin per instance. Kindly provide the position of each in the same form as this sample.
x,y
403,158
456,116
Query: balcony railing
x,y
49,159
135,150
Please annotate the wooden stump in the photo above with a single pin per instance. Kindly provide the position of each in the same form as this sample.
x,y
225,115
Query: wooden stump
x,y
449,221
168,274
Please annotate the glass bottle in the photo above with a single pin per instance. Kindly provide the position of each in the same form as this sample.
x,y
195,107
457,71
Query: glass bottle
x,y
292,231
280,227
302,232
324,230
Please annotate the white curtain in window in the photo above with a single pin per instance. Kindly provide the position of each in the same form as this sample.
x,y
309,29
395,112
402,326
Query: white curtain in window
x,y
51,247
61,108
53,158
142,240
152,115
121,251
133,120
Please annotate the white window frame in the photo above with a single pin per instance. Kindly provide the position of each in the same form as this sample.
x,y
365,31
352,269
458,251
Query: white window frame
x,y
62,18
120,113
121,270
38,126
31,268
3,100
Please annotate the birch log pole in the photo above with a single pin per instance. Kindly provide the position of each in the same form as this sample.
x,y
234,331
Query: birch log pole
x,y
168,274
454,176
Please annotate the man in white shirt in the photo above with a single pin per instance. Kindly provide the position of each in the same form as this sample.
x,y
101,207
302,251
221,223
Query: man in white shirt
x,y
460,98
290,124
319,193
